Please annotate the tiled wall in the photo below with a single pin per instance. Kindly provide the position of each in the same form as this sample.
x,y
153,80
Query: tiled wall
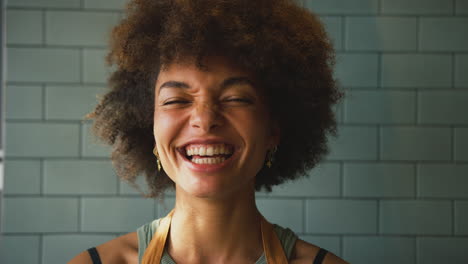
x,y
394,188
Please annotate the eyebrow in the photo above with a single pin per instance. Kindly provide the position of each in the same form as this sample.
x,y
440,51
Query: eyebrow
x,y
228,82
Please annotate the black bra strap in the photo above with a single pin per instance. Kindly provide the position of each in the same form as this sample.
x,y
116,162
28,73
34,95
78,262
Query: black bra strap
x,y
94,255
320,256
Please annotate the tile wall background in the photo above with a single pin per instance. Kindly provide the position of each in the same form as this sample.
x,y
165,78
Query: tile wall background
x,y
394,188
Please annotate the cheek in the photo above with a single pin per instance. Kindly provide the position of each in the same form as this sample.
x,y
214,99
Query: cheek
x,y
166,125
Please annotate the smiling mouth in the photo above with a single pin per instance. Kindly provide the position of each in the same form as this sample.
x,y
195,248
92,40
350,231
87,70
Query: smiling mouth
x,y
207,153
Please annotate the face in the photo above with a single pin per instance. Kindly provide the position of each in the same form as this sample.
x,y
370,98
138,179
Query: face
x,y
211,127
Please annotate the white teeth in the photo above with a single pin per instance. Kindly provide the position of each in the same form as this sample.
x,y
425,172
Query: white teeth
x,y
216,160
202,151
208,150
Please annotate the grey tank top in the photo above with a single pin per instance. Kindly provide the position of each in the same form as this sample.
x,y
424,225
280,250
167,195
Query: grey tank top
x,y
145,234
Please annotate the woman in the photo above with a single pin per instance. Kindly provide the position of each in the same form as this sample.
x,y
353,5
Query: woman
x,y
216,99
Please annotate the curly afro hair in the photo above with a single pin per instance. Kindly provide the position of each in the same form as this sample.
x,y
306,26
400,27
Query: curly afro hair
x,y
282,44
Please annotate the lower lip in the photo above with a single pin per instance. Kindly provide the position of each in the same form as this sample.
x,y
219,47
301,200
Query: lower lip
x,y
208,167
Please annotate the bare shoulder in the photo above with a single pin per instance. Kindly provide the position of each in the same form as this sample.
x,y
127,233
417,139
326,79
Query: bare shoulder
x,y
123,249
305,252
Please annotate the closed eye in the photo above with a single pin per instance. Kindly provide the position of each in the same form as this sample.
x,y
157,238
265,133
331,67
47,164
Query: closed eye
x,y
239,100
173,102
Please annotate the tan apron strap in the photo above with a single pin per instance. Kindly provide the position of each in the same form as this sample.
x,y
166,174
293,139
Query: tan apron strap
x,y
155,249
272,247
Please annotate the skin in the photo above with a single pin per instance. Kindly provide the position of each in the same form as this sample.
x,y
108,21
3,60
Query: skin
x,y
212,202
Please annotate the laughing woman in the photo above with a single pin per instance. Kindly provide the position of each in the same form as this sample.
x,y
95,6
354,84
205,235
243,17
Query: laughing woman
x,y
216,99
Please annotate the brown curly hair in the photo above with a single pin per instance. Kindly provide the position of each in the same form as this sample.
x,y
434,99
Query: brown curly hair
x,y
282,44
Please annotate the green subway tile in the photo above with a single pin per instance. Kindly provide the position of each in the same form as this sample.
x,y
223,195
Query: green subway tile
x,y
415,217
416,70
92,147
105,4
341,216
416,7
340,7
443,34
24,102
43,65
22,177
42,140
357,70
24,27
79,177
435,250
381,33
461,6
415,143
10,253
39,215
334,29
380,107
71,102
116,214
330,243
79,28
126,189
461,70
443,107
461,144
324,180
461,217
165,206
286,213
382,250
95,69
44,3
378,180
354,143
442,180
62,248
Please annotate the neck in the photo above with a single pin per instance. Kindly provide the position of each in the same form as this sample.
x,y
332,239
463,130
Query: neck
x,y
215,231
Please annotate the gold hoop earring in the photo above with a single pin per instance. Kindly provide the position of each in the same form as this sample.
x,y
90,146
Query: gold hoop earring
x,y
155,152
271,156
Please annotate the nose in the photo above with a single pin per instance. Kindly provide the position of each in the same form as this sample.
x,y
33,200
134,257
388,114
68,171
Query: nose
x,y
206,116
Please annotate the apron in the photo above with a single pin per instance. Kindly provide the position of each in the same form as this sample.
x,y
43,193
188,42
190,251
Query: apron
x,y
272,247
